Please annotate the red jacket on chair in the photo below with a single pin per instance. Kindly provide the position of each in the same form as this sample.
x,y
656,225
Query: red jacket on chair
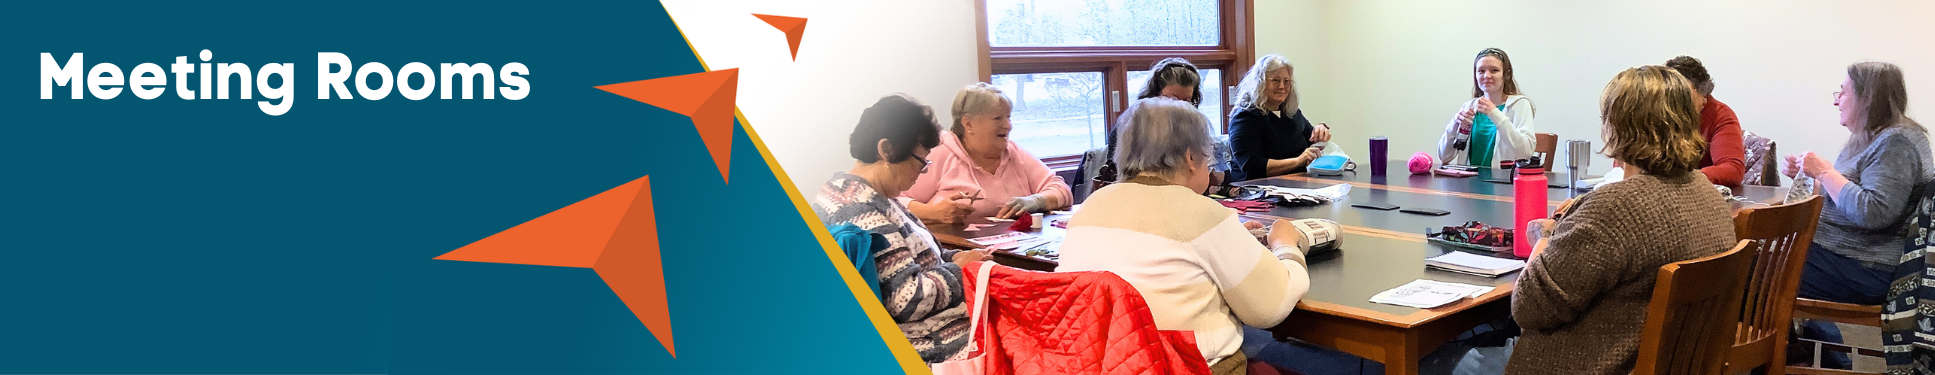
x,y
1075,323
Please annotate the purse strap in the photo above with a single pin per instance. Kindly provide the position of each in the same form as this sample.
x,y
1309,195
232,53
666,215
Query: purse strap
x,y
980,300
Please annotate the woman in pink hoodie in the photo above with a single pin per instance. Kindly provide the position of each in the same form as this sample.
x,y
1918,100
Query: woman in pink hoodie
x,y
977,172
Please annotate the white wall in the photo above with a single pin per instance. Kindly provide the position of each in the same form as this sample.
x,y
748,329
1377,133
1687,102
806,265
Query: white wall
x,y
1400,68
1367,67
853,53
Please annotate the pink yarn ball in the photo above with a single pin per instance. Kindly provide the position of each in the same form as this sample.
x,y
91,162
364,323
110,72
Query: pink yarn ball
x,y
1420,163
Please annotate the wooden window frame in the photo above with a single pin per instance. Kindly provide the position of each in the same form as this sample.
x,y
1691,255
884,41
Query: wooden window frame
x,y
1233,55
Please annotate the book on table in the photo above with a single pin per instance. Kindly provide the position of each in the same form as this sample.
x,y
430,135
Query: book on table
x,y
1468,263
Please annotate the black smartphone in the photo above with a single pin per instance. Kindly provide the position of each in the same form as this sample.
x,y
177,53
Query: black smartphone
x,y
1375,206
1425,211
1498,181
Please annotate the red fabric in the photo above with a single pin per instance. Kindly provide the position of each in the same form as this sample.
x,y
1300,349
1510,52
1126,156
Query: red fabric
x,y
1075,323
1725,162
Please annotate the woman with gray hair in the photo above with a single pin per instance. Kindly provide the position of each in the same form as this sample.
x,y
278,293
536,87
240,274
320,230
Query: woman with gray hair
x,y
1872,190
1268,133
1868,187
1192,259
978,172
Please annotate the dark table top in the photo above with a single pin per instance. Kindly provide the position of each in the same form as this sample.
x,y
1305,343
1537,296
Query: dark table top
x,y
1399,175
1400,178
1495,212
1382,249
1342,283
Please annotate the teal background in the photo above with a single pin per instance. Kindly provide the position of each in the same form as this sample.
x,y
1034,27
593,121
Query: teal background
x,y
172,236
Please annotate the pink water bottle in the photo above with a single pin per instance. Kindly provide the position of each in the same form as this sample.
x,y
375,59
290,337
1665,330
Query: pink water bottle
x,y
1528,202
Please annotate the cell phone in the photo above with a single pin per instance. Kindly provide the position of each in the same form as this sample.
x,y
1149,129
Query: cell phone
x,y
1425,211
1498,181
1459,167
1375,206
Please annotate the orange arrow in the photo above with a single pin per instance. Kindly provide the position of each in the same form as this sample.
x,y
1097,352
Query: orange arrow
x,y
708,98
613,233
794,27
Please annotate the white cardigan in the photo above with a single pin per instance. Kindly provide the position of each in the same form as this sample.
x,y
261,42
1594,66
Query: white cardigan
x,y
1514,142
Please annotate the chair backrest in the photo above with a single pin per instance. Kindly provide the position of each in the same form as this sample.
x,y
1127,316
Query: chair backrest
x,y
1545,144
1691,319
1090,172
1761,160
1783,233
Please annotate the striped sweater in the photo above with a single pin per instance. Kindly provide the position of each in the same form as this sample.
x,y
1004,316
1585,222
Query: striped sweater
x,y
1190,258
920,290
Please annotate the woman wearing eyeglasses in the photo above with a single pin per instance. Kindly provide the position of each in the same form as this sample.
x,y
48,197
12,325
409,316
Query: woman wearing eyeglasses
x,y
922,293
1871,189
1268,133
1496,124
978,172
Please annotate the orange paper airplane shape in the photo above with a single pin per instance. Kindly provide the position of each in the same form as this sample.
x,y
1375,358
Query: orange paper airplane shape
x,y
794,27
708,98
613,233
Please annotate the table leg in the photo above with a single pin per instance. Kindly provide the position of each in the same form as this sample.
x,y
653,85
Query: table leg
x,y
1398,348
1403,359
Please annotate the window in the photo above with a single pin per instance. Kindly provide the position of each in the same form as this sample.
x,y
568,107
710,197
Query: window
x,y
1055,113
1020,23
1213,94
1071,66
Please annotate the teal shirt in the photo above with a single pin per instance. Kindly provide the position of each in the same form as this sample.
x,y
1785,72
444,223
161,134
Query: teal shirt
x,y
1483,134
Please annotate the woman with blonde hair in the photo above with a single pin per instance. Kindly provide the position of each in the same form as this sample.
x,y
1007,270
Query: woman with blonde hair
x,y
1582,298
1496,124
1268,132
978,172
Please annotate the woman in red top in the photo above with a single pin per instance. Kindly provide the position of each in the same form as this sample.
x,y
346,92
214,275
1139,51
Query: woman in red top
x,y
1725,163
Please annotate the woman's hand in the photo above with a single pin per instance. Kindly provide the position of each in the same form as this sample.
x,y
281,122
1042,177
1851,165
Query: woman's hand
x,y
1464,119
1022,205
1284,234
966,257
1814,166
1539,231
1251,225
1310,154
1320,133
1792,167
945,211
1488,108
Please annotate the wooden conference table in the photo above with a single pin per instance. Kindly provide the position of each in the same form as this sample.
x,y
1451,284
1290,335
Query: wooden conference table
x,y
1381,250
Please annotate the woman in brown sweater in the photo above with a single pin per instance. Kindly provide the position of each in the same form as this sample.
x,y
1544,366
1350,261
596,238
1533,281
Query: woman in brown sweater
x,y
1582,299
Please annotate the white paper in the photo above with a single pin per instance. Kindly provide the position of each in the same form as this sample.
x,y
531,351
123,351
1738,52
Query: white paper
x,y
1475,261
1425,294
1332,192
1000,238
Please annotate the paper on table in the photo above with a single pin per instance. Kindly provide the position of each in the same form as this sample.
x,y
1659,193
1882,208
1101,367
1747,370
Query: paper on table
x,y
1332,192
1474,263
1425,294
1000,238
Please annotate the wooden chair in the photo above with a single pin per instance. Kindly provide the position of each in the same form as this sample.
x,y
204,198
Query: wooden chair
x,y
1783,233
1691,321
1845,313
1545,145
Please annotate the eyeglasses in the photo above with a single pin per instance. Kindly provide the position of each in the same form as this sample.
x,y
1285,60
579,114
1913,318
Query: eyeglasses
x,y
923,163
1277,81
